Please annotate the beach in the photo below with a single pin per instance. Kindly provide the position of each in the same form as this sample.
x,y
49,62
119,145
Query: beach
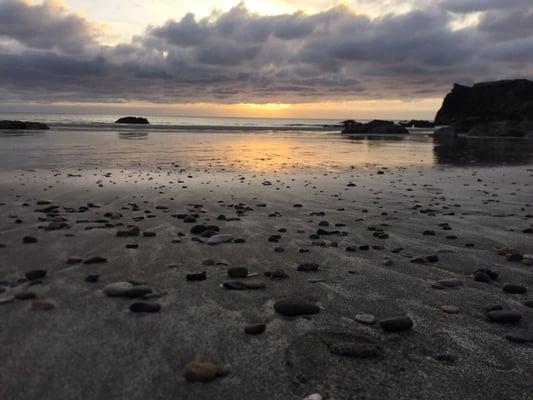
x,y
384,226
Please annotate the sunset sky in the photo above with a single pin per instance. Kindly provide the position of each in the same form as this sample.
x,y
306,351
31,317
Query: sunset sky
x,y
278,58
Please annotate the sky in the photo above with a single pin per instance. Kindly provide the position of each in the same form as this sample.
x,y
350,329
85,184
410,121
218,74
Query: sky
x,y
271,58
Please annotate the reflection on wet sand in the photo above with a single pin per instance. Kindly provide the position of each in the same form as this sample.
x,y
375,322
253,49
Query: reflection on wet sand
x,y
463,151
251,151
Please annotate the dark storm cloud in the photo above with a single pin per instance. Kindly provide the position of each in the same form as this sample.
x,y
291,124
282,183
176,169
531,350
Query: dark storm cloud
x,y
44,26
239,56
467,6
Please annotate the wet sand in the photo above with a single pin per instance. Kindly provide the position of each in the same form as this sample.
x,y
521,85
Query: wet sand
x,y
384,220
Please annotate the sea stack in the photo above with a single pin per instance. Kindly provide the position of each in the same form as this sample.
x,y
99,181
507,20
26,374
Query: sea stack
x,y
132,120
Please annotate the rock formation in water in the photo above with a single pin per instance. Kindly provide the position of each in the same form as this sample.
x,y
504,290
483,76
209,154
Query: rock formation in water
x,y
132,120
372,127
23,125
501,108
417,123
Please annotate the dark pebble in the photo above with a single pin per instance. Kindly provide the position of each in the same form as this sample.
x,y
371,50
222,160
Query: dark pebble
x,y
504,316
255,329
35,274
238,272
95,260
196,276
514,289
145,307
29,239
396,324
308,267
294,307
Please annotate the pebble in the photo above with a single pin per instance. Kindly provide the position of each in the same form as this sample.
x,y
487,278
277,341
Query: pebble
x,y
367,319
92,278
74,260
255,329
145,307
528,303
95,260
396,324
117,289
25,295
520,336
218,239
295,306
314,396
29,239
308,267
198,371
6,299
449,308
451,283
42,305
514,289
482,277
238,272
196,276
35,274
504,316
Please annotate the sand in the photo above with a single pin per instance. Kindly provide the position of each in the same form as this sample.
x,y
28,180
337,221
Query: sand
x,y
90,346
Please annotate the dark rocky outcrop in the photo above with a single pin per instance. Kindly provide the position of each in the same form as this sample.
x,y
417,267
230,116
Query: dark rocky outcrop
x,y
373,127
23,125
501,108
417,123
132,120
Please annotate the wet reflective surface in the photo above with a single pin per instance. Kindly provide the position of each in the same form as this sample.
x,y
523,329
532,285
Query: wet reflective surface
x,y
250,151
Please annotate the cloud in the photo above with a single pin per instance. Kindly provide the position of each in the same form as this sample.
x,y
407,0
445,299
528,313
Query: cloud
x,y
44,26
49,54
467,6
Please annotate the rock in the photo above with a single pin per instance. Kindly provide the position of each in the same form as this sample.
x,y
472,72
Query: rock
x,y
502,129
95,260
6,299
145,307
198,229
117,289
449,309
255,329
520,336
514,289
29,240
466,107
504,316
197,371
196,276
234,285
129,232
396,324
314,396
35,274
416,123
218,239
25,295
92,278
372,127
367,319
308,267
254,285
137,291
132,120
514,257
451,283
528,303
276,275
237,272
295,306
23,125
42,305
481,277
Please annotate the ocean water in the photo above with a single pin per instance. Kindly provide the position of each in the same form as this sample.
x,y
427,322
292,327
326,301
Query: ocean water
x,y
176,122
